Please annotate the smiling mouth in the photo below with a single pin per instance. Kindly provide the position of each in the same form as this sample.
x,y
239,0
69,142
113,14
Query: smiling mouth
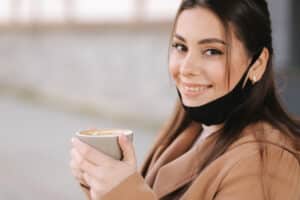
x,y
193,91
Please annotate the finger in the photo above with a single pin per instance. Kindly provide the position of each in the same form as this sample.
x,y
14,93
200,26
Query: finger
x,y
91,154
78,174
76,161
76,171
91,181
127,149
83,165
91,170
96,189
74,165
95,195
87,178
79,163
75,155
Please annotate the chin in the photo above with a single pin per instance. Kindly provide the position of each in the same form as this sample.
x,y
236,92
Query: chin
x,y
191,103
192,99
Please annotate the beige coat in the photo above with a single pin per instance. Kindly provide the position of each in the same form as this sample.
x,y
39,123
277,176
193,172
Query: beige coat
x,y
233,176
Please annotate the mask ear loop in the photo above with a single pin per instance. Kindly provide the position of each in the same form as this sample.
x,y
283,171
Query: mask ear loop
x,y
255,57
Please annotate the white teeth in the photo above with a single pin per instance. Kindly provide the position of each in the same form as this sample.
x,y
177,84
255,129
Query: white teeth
x,y
194,89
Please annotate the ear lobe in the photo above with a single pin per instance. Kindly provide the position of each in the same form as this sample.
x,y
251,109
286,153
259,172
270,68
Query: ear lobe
x,y
260,65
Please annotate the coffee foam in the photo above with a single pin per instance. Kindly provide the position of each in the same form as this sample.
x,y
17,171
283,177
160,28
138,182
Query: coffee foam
x,y
107,132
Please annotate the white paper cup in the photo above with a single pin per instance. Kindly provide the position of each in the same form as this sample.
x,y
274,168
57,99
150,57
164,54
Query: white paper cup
x,y
105,140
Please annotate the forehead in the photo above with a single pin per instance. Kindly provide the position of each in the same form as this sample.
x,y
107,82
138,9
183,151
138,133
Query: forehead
x,y
199,23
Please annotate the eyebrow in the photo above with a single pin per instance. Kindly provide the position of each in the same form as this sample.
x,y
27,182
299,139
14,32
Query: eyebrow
x,y
204,41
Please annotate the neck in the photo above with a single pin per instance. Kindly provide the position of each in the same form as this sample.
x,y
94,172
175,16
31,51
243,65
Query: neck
x,y
208,130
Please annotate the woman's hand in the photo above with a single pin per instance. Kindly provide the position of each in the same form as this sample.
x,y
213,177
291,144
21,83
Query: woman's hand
x,y
99,171
74,165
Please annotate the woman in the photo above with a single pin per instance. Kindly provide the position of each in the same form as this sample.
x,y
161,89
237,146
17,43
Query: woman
x,y
229,137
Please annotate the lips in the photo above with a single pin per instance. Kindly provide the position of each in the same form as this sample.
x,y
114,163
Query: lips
x,y
193,90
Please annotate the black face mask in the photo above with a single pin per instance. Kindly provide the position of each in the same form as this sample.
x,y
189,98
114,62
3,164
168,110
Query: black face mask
x,y
217,111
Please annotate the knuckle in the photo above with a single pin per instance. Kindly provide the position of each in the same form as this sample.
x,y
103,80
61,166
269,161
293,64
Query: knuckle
x,y
76,156
85,176
86,151
73,154
80,177
76,174
81,163
74,164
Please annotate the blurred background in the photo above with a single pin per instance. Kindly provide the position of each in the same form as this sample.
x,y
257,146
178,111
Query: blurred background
x,y
67,65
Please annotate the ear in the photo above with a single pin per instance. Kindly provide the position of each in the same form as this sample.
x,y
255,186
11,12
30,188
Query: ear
x,y
259,67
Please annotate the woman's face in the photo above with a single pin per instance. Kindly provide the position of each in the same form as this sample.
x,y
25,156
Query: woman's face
x,y
198,57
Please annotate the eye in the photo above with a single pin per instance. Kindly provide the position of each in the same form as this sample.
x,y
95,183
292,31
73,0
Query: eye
x,y
213,52
179,47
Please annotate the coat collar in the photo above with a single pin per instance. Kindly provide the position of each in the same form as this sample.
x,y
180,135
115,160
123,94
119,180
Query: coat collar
x,y
178,147
180,157
179,163
185,167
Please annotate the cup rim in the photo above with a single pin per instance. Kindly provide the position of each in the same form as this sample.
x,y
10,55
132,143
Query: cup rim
x,y
125,131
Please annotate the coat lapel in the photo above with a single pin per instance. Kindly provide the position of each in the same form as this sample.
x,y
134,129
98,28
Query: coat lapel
x,y
179,146
181,170
179,163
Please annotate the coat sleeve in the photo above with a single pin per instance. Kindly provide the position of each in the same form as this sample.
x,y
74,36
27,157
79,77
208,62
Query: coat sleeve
x,y
278,179
133,188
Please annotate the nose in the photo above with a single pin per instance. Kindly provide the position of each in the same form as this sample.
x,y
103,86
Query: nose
x,y
190,65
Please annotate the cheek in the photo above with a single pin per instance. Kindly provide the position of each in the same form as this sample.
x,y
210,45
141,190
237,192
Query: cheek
x,y
221,84
217,75
174,68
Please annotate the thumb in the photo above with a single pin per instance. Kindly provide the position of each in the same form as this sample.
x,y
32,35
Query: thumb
x,y
127,149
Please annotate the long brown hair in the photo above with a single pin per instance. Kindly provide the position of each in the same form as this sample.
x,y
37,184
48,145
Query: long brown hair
x,y
252,25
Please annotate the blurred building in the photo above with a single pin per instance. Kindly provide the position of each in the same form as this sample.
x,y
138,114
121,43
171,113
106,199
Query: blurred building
x,y
89,54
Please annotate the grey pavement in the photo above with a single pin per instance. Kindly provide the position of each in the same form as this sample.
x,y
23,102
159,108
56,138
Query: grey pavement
x,y
34,150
